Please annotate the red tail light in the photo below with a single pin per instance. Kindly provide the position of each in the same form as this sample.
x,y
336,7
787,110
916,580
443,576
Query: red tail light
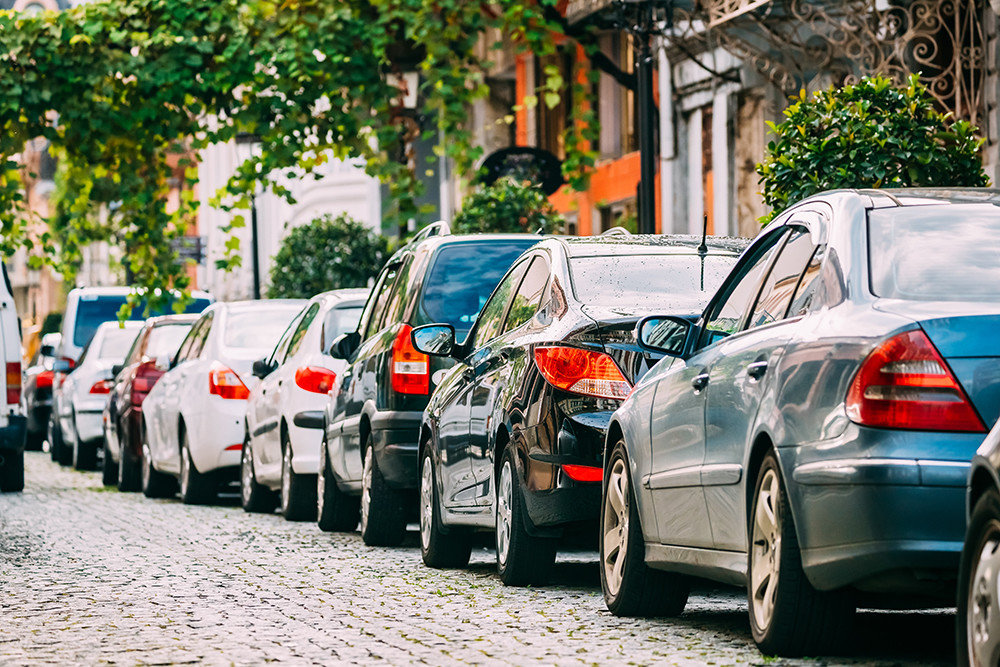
x,y
102,387
224,382
411,370
13,382
316,379
146,376
584,473
582,372
906,384
44,379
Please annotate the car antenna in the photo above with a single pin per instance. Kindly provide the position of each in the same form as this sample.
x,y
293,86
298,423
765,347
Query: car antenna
x,y
703,248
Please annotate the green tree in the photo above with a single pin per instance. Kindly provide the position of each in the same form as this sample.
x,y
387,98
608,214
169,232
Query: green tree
x,y
327,253
508,205
872,134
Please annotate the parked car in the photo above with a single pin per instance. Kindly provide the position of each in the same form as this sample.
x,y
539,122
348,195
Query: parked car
x,y
284,424
37,393
513,437
811,436
86,309
146,361
80,399
194,416
12,418
373,419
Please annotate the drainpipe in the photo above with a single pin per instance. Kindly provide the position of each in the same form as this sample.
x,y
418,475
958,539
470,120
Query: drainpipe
x,y
668,148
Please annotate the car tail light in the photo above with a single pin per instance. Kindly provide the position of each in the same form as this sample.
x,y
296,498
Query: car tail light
x,y
145,378
316,379
582,372
411,370
906,384
13,382
224,382
102,387
584,473
44,379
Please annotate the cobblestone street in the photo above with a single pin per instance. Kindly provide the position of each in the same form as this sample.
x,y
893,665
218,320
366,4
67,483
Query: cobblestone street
x,y
89,575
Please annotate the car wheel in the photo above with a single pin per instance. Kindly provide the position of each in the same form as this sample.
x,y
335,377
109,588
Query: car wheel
x,y
522,559
55,441
84,455
196,488
978,617
383,521
34,440
109,469
788,617
298,492
254,496
155,484
439,547
11,471
335,510
631,588
65,450
129,472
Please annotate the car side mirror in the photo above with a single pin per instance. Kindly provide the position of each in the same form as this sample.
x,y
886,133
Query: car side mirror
x,y
116,369
47,351
261,368
164,362
664,334
345,345
62,365
434,339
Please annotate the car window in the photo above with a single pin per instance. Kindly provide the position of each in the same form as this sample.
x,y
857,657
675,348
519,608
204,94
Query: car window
x,y
257,328
184,353
198,343
783,278
300,330
612,280
94,310
116,340
805,293
380,299
397,298
529,294
490,320
278,353
339,321
163,340
135,352
726,315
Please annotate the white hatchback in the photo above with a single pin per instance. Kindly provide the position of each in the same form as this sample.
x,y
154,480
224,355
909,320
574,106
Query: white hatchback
x,y
285,413
194,416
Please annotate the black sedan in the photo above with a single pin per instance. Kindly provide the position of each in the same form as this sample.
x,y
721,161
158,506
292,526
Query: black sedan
x,y
512,438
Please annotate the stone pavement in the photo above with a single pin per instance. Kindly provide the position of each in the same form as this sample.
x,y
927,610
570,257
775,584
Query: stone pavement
x,y
89,576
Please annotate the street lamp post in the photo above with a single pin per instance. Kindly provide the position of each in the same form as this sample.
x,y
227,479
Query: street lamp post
x,y
250,141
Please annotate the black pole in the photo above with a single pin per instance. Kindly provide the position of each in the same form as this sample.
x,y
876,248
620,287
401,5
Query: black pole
x,y
255,246
646,109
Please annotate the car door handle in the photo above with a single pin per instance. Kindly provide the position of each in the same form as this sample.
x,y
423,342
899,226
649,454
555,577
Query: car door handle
x,y
699,382
757,369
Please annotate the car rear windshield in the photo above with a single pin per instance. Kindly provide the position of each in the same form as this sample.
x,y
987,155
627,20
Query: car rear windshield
x,y
617,280
258,327
117,343
463,277
165,339
93,311
340,321
935,253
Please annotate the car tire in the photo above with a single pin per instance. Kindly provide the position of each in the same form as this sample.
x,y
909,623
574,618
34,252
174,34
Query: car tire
x,y
84,455
55,441
788,617
196,488
336,511
129,471
109,468
298,492
630,586
254,496
11,472
523,559
439,547
383,519
977,622
154,483
34,440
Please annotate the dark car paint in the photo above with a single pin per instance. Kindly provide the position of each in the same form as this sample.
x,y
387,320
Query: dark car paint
x,y
496,397
37,400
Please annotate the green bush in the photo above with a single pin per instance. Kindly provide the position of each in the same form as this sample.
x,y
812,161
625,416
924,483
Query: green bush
x,y
327,253
508,205
869,135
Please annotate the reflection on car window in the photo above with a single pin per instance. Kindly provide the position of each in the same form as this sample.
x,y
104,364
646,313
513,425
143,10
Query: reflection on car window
x,y
529,294
300,330
92,311
339,321
116,340
783,278
165,339
381,300
935,253
808,285
612,281
489,323
257,328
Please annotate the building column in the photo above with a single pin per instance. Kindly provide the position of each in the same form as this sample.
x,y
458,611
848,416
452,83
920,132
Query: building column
x,y
668,149
722,221
695,176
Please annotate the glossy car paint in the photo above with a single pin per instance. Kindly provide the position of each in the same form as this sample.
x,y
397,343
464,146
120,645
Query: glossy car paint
x,y
496,398
878,509
37,398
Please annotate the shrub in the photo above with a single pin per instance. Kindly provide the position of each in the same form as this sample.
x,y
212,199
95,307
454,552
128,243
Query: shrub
x,y
508,205
868,135
327,253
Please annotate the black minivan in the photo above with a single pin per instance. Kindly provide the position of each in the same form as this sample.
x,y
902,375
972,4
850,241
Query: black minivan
x,y
372,422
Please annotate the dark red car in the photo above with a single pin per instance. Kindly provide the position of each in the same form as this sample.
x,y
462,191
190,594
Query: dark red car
x,y
145,363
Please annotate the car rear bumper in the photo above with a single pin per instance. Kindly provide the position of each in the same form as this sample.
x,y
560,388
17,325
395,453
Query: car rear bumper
x,y
395,436
89,425
216,440
38,416
12,435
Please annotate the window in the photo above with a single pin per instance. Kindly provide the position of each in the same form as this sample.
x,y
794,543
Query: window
x,y
379,300
339,321
300,330
259,327
184,353
781,281
135,352
805,293
116,340
164,340
488,325
611,280
397,299
529,294
92,311
198,343
726,315
279,350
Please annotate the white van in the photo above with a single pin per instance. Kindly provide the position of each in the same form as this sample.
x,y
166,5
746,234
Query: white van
x,y
12,420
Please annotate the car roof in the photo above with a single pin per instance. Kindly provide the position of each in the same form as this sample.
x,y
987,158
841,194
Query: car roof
x,y
177,318
115,324
651,244
118,290
432,243
251,304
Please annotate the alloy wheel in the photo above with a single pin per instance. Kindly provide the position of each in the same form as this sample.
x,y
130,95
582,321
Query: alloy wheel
x,y
321,483
185,462
286,478
615,524
426,503
146,463
366,487
246,475
983,609
765,563
505,503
